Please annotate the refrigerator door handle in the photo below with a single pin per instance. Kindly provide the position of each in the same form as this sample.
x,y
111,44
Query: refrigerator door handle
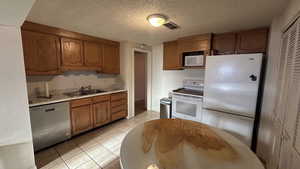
x,y
253,77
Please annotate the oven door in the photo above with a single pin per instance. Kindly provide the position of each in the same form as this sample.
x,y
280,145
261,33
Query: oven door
x,y
186,107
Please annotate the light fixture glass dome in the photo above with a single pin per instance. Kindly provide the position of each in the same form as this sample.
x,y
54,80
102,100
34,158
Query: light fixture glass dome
x,y
157,19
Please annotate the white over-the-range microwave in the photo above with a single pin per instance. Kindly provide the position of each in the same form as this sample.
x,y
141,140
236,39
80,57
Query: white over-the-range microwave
x,y
194,59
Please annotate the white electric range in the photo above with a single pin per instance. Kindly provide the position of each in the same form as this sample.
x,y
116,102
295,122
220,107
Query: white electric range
x,y
187,101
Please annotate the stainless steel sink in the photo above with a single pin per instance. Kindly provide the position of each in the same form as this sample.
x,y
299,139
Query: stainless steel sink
x,y
83,92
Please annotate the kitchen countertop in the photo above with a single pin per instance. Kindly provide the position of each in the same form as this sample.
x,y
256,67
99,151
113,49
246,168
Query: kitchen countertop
x,y
60,97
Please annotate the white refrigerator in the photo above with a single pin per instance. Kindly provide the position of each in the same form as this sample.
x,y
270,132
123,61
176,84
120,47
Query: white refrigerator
x,y
231,89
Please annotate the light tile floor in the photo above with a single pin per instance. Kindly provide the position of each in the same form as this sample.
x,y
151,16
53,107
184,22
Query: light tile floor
x,y
97,149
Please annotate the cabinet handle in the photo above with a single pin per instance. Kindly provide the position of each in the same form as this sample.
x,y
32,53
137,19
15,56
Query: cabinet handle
x,y
52,109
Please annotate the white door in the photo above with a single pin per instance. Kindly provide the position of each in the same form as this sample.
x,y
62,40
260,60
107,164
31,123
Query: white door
x,y
231,83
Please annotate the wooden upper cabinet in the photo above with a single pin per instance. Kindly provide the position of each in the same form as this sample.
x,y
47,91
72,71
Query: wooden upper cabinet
x,y
111,59
171,59
49,50
224,43
93,55
72,53
41,53
252,41
194,43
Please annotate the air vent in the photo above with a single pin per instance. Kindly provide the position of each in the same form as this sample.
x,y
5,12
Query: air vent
x,y
171,25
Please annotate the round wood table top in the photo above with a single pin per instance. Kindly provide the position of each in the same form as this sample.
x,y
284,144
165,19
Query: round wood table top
x,y
184,144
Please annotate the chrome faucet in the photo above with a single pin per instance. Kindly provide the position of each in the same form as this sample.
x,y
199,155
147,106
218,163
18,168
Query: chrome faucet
x,y
85,88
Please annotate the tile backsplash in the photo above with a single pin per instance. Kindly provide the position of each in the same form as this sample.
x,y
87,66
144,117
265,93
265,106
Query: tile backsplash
x,y
72,81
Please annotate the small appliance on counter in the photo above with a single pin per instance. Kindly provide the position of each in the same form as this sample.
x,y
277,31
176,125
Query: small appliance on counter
x,y
165,108
187,101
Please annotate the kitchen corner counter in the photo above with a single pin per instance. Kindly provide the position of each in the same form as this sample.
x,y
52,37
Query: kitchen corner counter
x,y
57,98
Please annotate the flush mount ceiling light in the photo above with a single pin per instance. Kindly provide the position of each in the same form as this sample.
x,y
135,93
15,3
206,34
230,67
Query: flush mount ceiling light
x,y
157,19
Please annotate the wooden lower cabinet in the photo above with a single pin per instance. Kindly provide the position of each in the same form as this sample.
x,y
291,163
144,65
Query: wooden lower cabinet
x,y
89,113
118,105
101,111
82,119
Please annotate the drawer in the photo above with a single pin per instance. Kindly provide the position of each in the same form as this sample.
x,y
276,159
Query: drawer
x,y
101,98
118,108
81,102
118,115
118,96
119,103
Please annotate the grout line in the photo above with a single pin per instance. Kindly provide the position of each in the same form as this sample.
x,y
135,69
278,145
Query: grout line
x,y
143,117
61,158
90,156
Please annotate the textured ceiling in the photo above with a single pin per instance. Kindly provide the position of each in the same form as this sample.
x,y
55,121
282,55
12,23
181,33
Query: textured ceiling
x,y
13,12
126,19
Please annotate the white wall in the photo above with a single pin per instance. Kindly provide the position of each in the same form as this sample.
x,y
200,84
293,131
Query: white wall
x,y
270,90
164,82
16,150
127,71
15,126
72,80
126,63
291,12
14,12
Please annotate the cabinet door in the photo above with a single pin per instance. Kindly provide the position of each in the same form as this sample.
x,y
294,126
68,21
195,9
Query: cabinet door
x,y
41,53
172,60
82,119
118,105
93,53
252,41
224,43
72,53
194,43
101,113
111,59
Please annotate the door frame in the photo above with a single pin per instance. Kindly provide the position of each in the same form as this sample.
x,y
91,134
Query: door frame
x,y
149,79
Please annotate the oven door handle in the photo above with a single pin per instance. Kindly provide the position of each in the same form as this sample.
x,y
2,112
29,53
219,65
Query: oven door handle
x,y
184,97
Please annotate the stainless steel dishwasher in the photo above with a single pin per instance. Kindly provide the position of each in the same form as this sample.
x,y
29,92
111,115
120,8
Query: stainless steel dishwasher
x,y
50,124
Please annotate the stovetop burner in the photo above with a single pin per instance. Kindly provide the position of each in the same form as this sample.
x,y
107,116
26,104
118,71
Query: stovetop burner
x,y
189,92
